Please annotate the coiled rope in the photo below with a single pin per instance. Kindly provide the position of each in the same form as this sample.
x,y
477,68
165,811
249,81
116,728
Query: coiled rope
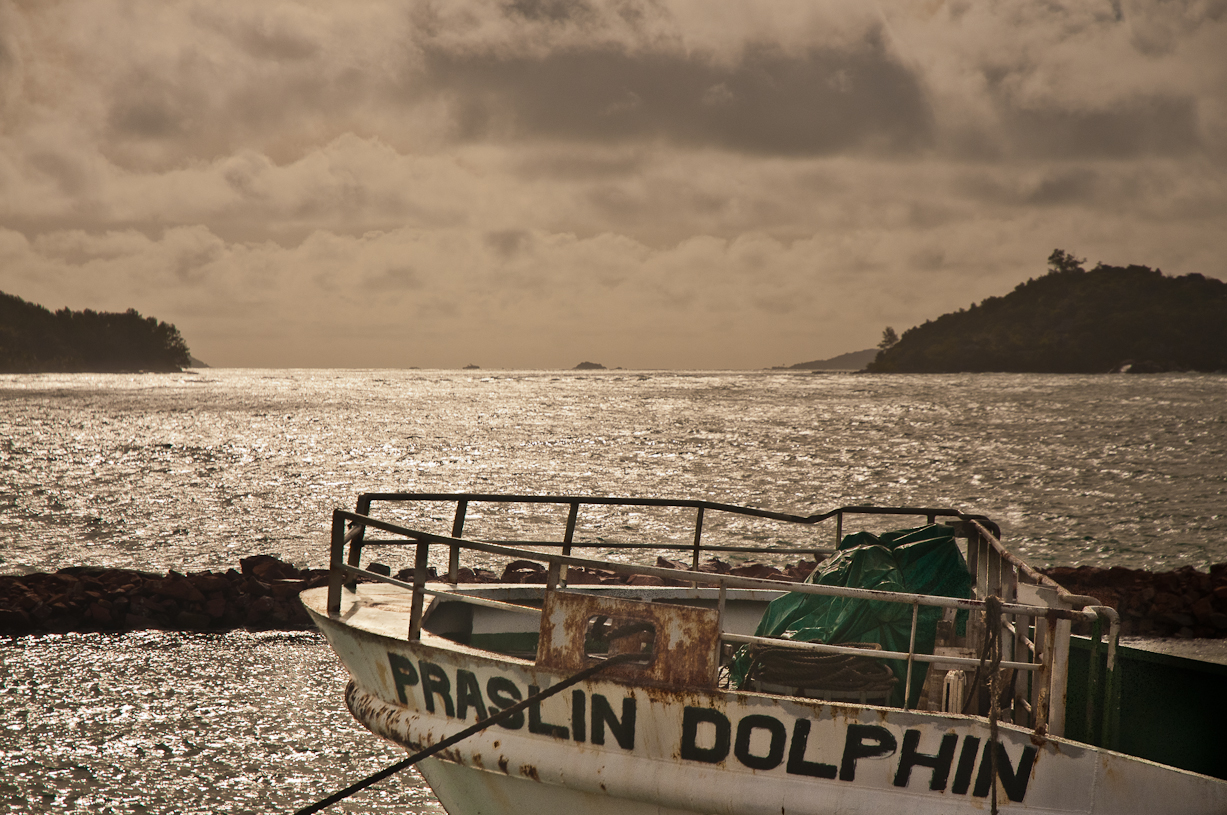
x,y
832,672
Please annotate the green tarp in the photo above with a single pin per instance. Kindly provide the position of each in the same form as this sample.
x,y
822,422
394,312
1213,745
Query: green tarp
x,y
924,560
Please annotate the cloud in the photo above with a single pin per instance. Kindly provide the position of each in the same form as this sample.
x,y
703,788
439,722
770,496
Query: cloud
x,y
517,182
768,101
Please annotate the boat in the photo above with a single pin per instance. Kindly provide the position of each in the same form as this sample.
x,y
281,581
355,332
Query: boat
x,y
683,686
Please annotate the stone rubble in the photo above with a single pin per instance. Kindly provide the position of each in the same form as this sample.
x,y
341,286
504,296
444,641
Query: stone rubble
x,y
263,595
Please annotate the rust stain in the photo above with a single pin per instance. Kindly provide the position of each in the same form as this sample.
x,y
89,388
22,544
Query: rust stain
x,y
530,771
502,765
684,645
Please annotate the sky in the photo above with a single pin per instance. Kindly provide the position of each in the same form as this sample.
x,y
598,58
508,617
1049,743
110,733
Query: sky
x,y
709,184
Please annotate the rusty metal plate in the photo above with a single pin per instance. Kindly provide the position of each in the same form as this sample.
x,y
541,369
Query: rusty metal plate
x,y
680,644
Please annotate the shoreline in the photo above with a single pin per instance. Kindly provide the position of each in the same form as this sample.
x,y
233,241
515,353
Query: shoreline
x,y
262,595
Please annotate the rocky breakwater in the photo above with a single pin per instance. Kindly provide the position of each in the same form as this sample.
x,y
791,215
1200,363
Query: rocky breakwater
x,y
262,595
1181,603
527,571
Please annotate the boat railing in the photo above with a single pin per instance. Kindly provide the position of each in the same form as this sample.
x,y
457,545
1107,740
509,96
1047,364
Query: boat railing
x,y
1033,614
698,545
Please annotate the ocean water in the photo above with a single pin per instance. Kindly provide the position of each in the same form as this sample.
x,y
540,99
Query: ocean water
x,y
198,469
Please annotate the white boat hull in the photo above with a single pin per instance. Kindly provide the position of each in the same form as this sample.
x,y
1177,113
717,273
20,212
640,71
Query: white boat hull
x,y
609,745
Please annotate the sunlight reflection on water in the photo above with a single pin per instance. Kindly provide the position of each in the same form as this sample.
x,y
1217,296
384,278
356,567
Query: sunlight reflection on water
x,y
185,723
195,470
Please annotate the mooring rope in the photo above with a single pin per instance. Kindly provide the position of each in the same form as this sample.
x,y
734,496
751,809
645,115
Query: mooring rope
x,y
992,624
501,716
990,653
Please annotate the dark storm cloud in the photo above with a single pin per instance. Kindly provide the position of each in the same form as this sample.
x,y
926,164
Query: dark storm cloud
x,y
507,243
1159,126
768,101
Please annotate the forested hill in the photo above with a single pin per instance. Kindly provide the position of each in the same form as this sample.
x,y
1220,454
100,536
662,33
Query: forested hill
x,y
34,340
1075,321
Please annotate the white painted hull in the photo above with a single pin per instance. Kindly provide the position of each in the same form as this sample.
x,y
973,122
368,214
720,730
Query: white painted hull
x,y
614,746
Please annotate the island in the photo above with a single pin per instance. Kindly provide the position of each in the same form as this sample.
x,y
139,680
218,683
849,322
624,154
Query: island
x,y
35,340
851,361
1130,319
589,366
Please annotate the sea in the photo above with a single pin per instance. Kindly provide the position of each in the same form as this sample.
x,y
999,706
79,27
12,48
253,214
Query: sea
x,y
195,470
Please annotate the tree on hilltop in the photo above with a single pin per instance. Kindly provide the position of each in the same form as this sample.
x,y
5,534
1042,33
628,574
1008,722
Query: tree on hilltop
x,y
1072,320
32,339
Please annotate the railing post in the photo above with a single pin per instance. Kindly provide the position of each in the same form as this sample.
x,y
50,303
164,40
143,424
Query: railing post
x,y
1092,682
420,562
453,556
698,539
975,623
336,555
1111,697
1059,646
911,653
569,536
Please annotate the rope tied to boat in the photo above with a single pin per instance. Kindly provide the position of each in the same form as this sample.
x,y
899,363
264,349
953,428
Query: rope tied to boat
x,y
501,716
991,653
992,622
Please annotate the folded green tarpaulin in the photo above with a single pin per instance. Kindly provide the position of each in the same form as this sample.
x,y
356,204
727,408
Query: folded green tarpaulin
x,y
925,560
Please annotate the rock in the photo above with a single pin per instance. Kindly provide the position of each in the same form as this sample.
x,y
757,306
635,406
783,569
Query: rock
x,y
267,567
581,577
138,622
215,607
758,570
260,610
407,574
523,571
645,580
100,613
178,587
209,582
1176,620
192,620
15,621
1183,602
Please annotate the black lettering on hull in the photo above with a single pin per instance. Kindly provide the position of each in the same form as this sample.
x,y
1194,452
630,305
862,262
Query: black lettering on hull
x,y
910,757
797,764
623,729
775,750
503,693
758,741
864,741
692,717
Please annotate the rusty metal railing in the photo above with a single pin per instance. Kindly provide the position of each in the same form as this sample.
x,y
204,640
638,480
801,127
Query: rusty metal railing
x,y
697,547
1035,634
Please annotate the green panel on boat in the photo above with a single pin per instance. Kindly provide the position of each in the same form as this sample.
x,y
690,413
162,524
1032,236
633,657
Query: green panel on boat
x,y
1168,709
